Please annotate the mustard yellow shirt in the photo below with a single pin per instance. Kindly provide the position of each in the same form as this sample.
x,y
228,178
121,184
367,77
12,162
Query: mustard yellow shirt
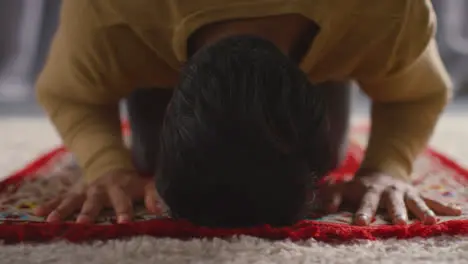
x,y
104,49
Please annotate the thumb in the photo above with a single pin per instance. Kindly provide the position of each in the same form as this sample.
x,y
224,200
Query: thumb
x,y
152,199
330,197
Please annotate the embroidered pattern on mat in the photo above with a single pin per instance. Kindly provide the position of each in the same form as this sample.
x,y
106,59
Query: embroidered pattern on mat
x,y
431,177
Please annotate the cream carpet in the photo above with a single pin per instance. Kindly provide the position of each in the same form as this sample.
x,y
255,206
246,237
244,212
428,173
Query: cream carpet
x,y
22,139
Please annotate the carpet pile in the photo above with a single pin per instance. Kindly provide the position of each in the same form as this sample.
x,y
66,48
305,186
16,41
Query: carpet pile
x,y
242,249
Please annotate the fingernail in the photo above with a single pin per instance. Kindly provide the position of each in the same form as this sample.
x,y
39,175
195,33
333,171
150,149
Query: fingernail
x,y
83,219
331,209
39,212
455,207
53,217
400,220
156,209
122,219
362,219
429,218
430,213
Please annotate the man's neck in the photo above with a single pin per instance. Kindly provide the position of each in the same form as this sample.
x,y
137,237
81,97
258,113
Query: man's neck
x,y
292,34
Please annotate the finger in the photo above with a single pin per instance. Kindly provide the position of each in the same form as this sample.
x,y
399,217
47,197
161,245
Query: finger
x,y
48,207
418,207
333,202
396,206
122,204
92,206
66,208
151,199
447,209
328,198
369,204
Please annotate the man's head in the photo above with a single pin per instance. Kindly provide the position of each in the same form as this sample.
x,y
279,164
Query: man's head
x,y
244,137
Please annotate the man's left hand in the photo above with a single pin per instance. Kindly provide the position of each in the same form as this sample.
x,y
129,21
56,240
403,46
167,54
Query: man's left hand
x,y
370,190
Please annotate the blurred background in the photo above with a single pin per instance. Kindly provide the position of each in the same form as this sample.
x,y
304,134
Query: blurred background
x,y
27,26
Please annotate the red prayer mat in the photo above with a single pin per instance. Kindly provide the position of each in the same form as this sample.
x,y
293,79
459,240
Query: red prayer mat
x,y
54,172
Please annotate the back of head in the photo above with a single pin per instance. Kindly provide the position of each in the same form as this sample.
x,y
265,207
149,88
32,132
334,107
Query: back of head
x,y
244,137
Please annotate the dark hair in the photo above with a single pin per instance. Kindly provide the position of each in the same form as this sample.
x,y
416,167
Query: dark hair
x,y
244,137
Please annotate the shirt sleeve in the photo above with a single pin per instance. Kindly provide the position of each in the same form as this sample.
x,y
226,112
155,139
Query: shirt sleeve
x,y
408,100
84,78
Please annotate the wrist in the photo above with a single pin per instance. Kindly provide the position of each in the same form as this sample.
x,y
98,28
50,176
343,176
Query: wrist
x,y
392,171
109,166
393,165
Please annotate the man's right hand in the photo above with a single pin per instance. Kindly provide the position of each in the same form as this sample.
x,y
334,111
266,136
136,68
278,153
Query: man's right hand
x,y
117,190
